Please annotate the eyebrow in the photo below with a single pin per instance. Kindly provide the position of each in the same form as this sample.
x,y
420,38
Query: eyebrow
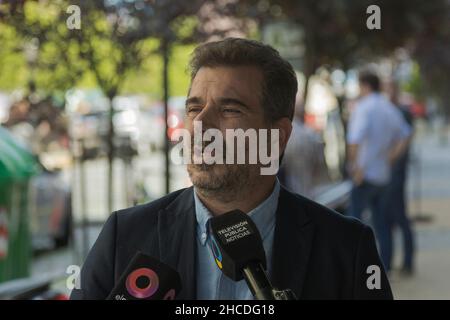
x,y
221,100
225,100
193,100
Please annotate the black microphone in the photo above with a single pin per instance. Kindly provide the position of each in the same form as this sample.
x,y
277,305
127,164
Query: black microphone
x,y
146,278
238,251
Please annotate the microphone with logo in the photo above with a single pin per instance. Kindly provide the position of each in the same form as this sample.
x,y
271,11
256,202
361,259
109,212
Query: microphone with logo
x,y
238,251
146,278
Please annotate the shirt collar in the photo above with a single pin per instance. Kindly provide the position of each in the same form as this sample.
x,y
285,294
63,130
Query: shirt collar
x,y
263,215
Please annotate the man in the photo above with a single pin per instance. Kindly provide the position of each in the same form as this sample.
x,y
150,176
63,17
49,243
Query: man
x,y
377,136
397,215
304,158
238,83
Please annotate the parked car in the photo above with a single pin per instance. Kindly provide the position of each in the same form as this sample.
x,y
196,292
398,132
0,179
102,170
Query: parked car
x,y
50,203
43,287
154,119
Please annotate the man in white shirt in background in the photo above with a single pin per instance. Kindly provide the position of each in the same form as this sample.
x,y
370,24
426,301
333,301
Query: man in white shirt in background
x,y
377,135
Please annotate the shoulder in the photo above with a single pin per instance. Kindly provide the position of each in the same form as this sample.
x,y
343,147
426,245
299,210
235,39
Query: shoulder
x,y
362,109
328,217
149,211
326,221
365,103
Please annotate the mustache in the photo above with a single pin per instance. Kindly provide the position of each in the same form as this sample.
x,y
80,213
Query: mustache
x,y
196,145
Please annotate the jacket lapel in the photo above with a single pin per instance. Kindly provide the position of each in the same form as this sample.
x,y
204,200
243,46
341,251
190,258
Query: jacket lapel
x,y
292,243
177,245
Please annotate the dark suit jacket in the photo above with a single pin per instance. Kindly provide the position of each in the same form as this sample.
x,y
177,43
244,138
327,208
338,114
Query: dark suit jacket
x,y
317,253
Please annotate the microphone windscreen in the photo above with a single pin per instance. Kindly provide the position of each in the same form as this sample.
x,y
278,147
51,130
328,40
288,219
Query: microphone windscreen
x,y
235,243
146,278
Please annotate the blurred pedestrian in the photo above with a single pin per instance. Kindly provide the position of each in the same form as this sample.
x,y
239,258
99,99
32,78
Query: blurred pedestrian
x,y
377,135
304,157
395,202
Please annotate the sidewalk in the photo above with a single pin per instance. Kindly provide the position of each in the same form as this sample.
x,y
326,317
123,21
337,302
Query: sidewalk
x,y
429,181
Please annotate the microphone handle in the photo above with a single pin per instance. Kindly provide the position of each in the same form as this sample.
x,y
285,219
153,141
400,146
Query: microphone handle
x,y
258,282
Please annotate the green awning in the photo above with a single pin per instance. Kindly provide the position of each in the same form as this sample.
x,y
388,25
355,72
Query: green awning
x,y
16,162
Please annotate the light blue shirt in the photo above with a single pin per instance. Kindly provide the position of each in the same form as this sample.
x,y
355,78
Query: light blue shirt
x,y
212,284
375,126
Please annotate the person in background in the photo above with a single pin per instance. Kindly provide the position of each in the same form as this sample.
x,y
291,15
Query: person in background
x,y
396,205
303,158
377,135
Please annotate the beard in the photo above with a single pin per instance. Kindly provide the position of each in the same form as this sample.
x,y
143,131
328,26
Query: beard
x,y
224,181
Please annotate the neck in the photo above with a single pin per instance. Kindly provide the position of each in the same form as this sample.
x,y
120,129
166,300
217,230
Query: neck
x,y
245,200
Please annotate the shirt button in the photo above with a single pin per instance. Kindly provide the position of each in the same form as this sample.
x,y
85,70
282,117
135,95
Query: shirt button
x,y
204,236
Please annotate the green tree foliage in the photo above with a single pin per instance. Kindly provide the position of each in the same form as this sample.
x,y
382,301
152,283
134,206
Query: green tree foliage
x,y
100,54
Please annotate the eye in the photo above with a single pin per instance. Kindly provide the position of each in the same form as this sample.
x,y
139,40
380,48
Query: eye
x,y
194,109
232,111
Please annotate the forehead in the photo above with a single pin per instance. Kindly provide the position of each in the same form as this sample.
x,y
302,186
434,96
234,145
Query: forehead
x,y
242,82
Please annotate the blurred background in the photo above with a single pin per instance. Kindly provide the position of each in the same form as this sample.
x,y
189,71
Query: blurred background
x,y
90,92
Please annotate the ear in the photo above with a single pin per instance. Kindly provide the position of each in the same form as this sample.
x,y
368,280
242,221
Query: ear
x,y
284,125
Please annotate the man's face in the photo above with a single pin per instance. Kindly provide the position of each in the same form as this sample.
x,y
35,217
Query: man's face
x,y
225,98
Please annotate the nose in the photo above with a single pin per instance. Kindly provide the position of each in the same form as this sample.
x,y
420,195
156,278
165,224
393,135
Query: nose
x,y
208,116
